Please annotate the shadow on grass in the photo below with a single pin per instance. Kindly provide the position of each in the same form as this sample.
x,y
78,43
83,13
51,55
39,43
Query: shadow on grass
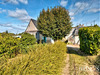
x,y
97,63
75,50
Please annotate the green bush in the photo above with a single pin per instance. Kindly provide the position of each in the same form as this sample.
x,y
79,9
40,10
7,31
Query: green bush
x,y
9,45
27,39
46,59
90,40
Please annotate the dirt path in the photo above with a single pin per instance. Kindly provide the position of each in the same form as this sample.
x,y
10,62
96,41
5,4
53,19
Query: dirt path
x,y
66,69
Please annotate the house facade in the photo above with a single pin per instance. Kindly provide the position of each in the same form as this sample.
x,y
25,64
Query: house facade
x,y
73,36
33,30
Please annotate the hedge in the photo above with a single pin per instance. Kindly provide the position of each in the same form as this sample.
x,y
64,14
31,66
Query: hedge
x,y
90,40
46,59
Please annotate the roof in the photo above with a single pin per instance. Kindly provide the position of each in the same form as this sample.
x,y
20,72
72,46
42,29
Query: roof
x,y
77,29
32,26
35,22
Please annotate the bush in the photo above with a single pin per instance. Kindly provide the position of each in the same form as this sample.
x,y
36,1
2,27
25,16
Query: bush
x,y
27,39
90,40
9,45
46,59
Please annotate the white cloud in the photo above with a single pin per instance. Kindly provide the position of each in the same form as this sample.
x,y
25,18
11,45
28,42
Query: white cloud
x,y
71,13
63,3
81,5
72,18
20,14
24,1
94,10
2,10
13,1
9,25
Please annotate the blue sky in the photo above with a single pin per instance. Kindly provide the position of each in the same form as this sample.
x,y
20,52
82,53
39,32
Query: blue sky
x,y
15,14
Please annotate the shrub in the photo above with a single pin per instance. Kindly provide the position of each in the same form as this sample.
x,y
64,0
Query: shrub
x,y
9,45
46,59
27,39
90,40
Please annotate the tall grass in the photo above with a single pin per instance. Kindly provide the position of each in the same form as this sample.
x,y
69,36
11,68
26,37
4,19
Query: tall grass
x,y
44,60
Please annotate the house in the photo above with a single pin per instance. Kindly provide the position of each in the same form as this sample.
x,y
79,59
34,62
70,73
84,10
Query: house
x,y
73,36
33,30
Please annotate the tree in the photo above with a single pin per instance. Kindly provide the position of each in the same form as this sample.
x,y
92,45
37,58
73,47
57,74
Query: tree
x,y
96,25
54,23
7,31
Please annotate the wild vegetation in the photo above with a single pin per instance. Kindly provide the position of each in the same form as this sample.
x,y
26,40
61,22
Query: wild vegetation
x,y
90,40
83,64
11,46
45,59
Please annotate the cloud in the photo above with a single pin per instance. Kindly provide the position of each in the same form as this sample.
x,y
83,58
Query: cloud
x,y
14,1
13,26
81,5
6,25
24,1
2,10
72,18
20,14
94,10
71,13
63,3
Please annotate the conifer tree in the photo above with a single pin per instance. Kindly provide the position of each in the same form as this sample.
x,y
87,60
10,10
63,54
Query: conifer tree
x,y
54,23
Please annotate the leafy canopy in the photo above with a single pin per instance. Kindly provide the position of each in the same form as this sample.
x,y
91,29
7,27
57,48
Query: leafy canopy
x,y
54,23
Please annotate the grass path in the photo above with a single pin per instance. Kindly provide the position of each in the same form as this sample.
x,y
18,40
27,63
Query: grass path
x,y
78,63
66,69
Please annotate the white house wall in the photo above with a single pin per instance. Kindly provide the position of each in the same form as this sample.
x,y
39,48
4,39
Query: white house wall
x,y
76,39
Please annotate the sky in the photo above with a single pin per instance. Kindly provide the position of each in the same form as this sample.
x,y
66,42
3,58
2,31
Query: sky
x,y
16,14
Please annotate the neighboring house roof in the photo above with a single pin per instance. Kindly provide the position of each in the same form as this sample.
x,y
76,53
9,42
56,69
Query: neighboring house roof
x,y
32,26
77,29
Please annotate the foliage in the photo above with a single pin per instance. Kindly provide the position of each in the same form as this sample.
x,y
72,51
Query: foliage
x,y
46,59
90,40
7,31
27,39
9,45
96,25
54,23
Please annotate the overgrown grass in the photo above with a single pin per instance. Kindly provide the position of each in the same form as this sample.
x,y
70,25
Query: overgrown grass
x,y
82,64
46,59
76,63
